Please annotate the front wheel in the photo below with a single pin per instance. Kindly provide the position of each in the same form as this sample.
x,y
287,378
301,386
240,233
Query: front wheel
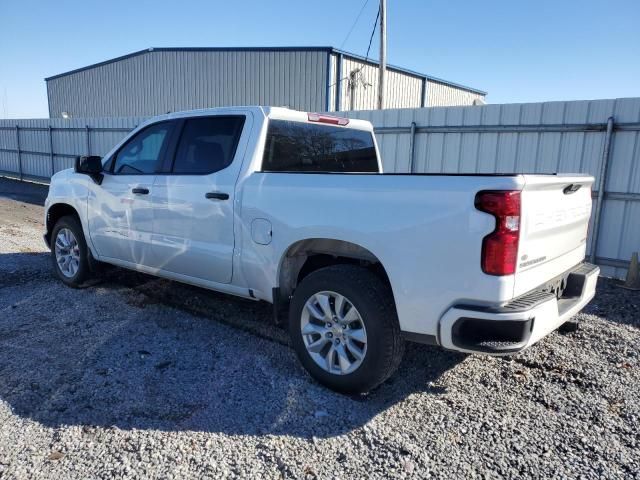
x,y
69,252
344,328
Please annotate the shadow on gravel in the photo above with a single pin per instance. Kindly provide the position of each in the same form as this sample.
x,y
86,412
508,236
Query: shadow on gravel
x,y
23,268
615,304
34,193
120,354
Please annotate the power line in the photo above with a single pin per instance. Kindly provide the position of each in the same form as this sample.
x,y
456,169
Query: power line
x,y
375,24
354,24
356,75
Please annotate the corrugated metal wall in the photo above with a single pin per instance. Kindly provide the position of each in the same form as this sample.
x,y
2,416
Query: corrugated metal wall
x,y
168,80
444,95
536,151
402,90
536,137
159,81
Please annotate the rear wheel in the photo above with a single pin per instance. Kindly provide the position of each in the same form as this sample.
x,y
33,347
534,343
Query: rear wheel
x,y
344,328
69,252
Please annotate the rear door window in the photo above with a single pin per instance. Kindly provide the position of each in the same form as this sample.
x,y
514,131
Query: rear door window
x,y
207,144
306,147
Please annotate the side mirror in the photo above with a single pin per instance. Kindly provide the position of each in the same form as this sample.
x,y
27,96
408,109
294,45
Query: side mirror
x,y
90,165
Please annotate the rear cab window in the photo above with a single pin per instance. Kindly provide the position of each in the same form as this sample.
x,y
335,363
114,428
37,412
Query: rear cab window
x,y
307,147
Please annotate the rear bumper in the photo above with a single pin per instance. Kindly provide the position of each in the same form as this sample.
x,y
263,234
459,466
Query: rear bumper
x,y
504,329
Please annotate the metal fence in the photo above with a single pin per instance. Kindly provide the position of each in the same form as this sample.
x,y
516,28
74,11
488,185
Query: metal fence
x,y
600,137
35,149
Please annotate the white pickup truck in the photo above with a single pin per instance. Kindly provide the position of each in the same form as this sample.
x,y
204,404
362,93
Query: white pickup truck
x,y
293,208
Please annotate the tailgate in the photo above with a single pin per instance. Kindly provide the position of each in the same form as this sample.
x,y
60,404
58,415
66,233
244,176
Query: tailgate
x,y
553,232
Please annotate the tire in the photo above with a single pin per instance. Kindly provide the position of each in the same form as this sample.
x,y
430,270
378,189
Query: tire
x,y
77,248
376,312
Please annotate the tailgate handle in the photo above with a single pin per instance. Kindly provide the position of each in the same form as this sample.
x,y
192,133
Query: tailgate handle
x,y
571,188
140,191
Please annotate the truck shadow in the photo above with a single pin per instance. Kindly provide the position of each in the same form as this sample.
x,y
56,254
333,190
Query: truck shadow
x,y
615,303
34,193
111,356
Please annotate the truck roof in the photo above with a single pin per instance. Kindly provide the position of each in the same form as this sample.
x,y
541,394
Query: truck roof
x,y
280,113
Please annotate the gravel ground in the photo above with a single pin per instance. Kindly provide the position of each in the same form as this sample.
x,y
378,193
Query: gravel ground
x,y
143,378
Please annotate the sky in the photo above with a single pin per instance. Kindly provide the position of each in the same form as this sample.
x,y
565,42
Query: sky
x,y
517,50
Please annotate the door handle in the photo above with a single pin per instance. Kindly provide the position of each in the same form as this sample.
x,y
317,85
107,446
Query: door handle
x,y
140,191
217,196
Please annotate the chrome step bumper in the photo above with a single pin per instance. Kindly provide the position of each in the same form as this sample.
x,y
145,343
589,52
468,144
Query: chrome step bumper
x,y
518,324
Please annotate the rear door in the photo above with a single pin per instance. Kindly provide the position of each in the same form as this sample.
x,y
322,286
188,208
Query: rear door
x,y
193,198
554,226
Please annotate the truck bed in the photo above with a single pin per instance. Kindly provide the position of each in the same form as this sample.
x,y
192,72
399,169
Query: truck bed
x,y
423,228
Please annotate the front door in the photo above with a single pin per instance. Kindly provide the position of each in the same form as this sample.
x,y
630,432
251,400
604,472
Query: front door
x,y
193,201
120,210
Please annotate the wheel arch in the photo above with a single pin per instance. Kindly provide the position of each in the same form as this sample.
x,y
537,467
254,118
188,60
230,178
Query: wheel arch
x,y
308,255
54,213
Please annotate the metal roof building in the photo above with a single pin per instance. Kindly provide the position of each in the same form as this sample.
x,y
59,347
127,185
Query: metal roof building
x,y
160,80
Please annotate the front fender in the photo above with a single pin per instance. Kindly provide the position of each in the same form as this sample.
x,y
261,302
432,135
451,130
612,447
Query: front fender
x,y
68,188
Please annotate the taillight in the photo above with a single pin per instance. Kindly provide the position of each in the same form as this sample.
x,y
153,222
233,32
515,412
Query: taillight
x,y
330,119
500,247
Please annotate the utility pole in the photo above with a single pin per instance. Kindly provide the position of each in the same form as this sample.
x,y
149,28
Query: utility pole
x,y
382,74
